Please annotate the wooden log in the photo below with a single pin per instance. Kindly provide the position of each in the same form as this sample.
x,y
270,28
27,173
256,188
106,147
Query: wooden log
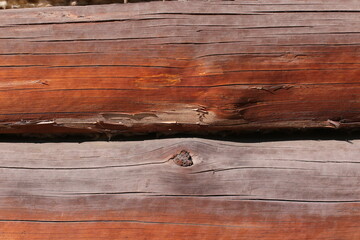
x,y
135,190
180,67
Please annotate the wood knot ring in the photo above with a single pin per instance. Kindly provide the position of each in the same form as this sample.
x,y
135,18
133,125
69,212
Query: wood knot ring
x,y
183,159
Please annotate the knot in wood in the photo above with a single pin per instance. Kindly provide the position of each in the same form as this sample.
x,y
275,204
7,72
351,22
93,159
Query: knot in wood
x,y
183,159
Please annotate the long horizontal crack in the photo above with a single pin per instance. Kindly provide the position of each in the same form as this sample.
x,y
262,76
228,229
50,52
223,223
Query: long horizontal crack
x,y
319,161
113,65
45,54
205,14
199,195
86,21
240,168
299,200
311,11
121,221
106,39
107,193
81,168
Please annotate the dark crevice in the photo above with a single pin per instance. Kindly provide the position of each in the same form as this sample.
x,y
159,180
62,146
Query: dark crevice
x,y
259,199
239,53
234,2
240,168
311,11
275,27
107,39
21,66
117,221
198,43
299,201
199,195
82,22
291,70
80,168
319,161
317,33
244,136
206,14
328,45
46,54
107,193
114,65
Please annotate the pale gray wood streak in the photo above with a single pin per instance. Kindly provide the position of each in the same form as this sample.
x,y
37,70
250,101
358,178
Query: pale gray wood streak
x,y
304,171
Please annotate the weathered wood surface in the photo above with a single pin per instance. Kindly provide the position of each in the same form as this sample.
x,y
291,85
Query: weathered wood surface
x,y
130,190
180,66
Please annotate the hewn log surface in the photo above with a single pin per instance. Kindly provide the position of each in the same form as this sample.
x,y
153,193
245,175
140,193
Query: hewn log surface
x,y
131,190
180,66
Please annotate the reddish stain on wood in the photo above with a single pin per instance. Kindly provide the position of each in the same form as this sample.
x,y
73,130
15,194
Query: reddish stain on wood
x,y
255,65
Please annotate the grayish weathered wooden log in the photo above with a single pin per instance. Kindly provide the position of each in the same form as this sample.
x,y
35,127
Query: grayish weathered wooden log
x,y
114,190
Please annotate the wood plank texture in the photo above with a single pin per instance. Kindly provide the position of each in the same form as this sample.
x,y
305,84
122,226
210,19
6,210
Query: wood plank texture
x,y
180,67
131,190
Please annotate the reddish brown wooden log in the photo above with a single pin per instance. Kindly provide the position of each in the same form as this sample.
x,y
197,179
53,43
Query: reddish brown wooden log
x,y
300,190
180,67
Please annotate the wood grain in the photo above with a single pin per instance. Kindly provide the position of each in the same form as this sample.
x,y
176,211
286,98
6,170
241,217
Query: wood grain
x,y
131,190
180,67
